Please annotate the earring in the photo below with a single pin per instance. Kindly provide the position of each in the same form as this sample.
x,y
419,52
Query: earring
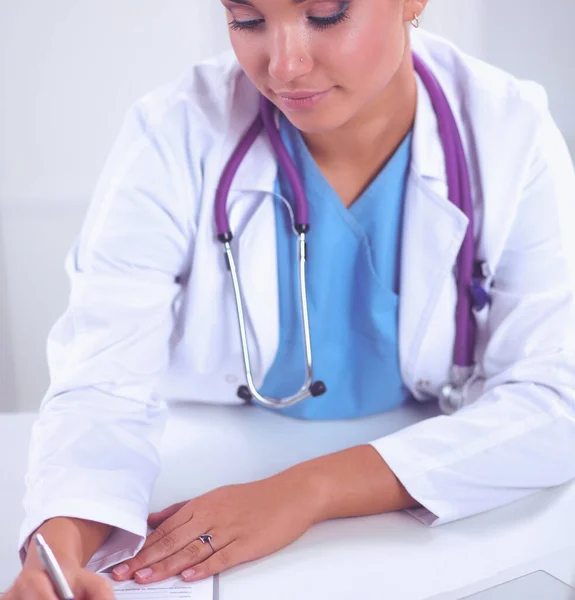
x,y
415,21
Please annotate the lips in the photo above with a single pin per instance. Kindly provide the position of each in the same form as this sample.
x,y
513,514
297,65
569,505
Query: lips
x,y
302,100
300,95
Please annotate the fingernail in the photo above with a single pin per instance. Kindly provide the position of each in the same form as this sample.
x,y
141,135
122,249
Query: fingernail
x,y
121,570
189,573
144,573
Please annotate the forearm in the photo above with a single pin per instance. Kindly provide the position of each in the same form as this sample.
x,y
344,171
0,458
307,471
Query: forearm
x,y
352,483
73,541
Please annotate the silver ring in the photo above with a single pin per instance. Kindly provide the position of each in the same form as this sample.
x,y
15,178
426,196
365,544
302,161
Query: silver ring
x,y
207,539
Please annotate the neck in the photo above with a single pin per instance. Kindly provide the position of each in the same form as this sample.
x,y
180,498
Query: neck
x,y
376,131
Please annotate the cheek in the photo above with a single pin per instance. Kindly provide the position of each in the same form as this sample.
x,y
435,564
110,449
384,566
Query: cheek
x,y
249,54
369,53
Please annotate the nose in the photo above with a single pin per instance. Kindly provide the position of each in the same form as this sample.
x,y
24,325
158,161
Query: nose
x,y
289,56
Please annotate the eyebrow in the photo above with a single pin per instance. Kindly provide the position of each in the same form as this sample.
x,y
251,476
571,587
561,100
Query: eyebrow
x,y
247,3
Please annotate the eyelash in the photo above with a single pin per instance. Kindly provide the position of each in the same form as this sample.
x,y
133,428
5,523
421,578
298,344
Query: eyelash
x,y
317,22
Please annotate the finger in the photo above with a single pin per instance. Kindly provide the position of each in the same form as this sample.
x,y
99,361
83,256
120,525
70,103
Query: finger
x,y
34,586
167,526
164,514
192,554
229,556
169,542
96,588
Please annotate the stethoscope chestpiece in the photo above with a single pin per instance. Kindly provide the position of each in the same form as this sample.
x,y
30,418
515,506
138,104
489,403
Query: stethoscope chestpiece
x,y
450,399
452,394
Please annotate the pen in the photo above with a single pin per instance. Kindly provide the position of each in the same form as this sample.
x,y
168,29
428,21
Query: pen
x,y
52,568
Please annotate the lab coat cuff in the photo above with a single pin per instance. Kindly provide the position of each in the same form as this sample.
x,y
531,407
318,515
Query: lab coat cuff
x,y
401,459
123,543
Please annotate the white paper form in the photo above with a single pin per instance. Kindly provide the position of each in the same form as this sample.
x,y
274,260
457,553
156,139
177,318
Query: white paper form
x,y
170,589
173,588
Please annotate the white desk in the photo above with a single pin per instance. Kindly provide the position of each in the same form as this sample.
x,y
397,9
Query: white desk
x,y
386,556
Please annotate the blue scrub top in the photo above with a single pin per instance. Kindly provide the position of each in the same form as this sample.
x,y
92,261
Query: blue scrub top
x,y
352,278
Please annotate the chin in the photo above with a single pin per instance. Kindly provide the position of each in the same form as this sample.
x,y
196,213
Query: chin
x,y
317,121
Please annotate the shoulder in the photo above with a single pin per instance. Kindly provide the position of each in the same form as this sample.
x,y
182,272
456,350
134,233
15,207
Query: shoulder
x,y
504,120
481,92
197,104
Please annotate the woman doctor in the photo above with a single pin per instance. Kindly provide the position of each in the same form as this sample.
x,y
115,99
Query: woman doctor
x,y
152,311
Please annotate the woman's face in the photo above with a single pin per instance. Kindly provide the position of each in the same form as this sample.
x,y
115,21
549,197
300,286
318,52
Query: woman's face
x,y
351,51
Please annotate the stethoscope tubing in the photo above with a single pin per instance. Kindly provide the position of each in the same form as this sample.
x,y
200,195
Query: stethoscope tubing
x,y
459,192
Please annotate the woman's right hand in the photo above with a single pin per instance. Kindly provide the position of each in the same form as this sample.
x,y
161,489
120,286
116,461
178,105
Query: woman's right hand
x,y
73,542
34,584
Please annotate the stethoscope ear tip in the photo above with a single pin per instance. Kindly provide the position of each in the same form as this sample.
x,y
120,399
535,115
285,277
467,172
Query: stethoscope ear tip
x,y
317,388
244,393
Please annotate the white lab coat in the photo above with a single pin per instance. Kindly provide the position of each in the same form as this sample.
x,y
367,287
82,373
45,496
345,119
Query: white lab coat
x,y
152,315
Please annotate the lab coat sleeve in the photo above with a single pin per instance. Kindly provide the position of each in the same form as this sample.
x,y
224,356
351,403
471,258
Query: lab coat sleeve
x,y
518,435
94,448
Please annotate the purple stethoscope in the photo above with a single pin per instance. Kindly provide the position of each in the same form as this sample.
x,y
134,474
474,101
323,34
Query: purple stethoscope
x,y
471,296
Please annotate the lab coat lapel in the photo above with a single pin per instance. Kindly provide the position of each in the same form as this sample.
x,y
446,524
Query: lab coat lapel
x,y
252,220
433,231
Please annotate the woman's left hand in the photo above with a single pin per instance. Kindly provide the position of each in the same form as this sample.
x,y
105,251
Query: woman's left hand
x,y
246,522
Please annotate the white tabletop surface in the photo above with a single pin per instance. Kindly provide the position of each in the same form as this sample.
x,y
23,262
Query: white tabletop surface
x,y
385,556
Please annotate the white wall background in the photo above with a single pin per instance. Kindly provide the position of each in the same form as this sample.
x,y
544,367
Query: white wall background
x,y
70,68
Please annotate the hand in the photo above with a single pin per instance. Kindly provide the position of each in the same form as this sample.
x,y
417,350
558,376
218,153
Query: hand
x,y
35,584
252,520
246,522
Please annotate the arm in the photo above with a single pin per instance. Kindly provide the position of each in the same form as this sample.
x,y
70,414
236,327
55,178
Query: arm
x,y
73,541
350,483
518,434
94,449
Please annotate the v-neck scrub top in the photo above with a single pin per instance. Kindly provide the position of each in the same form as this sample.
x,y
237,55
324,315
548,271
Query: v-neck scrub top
x,y
352,283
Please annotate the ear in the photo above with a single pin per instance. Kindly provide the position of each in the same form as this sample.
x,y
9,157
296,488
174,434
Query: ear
x,y
413,8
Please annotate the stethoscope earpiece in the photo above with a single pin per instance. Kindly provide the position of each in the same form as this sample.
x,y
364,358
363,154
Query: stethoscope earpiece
x,y
317,388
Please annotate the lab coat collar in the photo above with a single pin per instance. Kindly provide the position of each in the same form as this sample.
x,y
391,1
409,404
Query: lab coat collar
x,y
427,156
258,171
